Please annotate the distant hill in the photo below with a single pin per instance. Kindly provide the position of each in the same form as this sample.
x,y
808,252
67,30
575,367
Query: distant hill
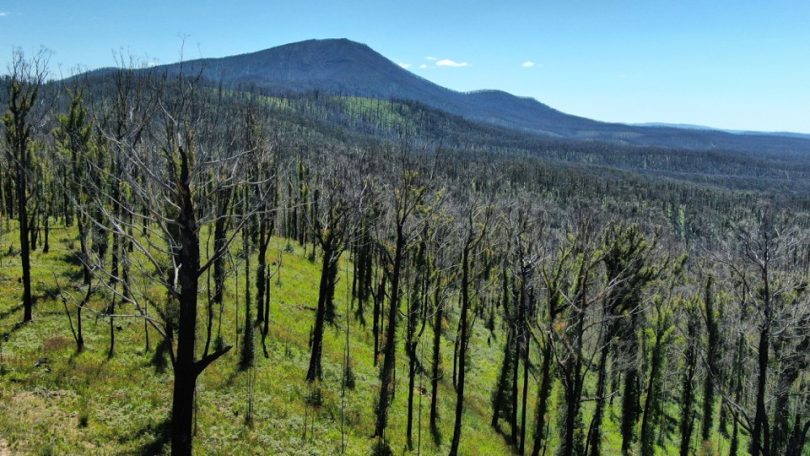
x,y
345,67
736,132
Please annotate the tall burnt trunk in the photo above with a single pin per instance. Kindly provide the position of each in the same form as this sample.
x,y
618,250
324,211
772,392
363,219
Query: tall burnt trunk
x,y
462,357
314,372
185,368
436,366
25,249
387,372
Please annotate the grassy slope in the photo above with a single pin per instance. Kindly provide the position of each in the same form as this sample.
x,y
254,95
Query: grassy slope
x,y
55,401
125,401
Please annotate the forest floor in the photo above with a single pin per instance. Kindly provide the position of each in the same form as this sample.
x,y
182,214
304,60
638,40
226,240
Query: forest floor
x,y
55,400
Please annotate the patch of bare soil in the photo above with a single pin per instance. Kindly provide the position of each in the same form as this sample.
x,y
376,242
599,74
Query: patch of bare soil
x,y
4,450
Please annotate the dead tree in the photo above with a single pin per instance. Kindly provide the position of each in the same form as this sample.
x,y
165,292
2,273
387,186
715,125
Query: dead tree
x,y
27,77
476,230
185,167
407,197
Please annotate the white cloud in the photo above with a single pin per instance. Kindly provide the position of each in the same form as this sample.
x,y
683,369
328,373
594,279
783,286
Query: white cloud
x,y
3,14
451,63
528,64
423,66
404,65
432,59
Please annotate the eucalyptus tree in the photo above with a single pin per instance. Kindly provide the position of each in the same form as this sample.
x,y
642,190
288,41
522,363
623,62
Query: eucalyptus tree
x,y
416,317
363,256
74,138
712,360
659,338
26,79
773,282
267,166
629,267
418,283
405,194
574,287
330,229
125,117
522,230
73,134
183,168
477,224
504,399
443,274
690,318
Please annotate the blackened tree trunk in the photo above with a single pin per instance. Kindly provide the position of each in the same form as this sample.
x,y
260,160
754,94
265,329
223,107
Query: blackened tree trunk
x,y
475,235
379,298
543,394
502,396
222,209
220,233
328,265
794,364
595,430
653,394
406,199
515,377
303,200
330,238
572,358
362,280
266,228
186,252
523,352
713,341
261,270
524,399
46,246
502,404
436,360
738,381
687,388
23,90
25,249
630,389
117,244
84,250
248,354
387,372
760,434
798,437
185,368
416,325
462,357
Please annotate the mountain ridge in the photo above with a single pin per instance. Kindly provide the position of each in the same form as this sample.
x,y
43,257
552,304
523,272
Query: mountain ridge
x,y
344,67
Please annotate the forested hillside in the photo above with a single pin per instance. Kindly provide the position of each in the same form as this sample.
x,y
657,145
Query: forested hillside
x,y
341,66
187,267
347,68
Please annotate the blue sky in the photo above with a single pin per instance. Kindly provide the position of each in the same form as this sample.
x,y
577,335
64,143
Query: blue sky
x,y
727,64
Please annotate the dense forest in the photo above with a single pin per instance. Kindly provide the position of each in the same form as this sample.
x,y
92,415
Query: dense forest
x,y
187,266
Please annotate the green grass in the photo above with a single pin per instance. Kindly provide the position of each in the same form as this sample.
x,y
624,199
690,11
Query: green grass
x,y
69,403
56,401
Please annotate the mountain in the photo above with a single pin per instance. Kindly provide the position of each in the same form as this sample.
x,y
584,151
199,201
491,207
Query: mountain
x,y
341,66
726,130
